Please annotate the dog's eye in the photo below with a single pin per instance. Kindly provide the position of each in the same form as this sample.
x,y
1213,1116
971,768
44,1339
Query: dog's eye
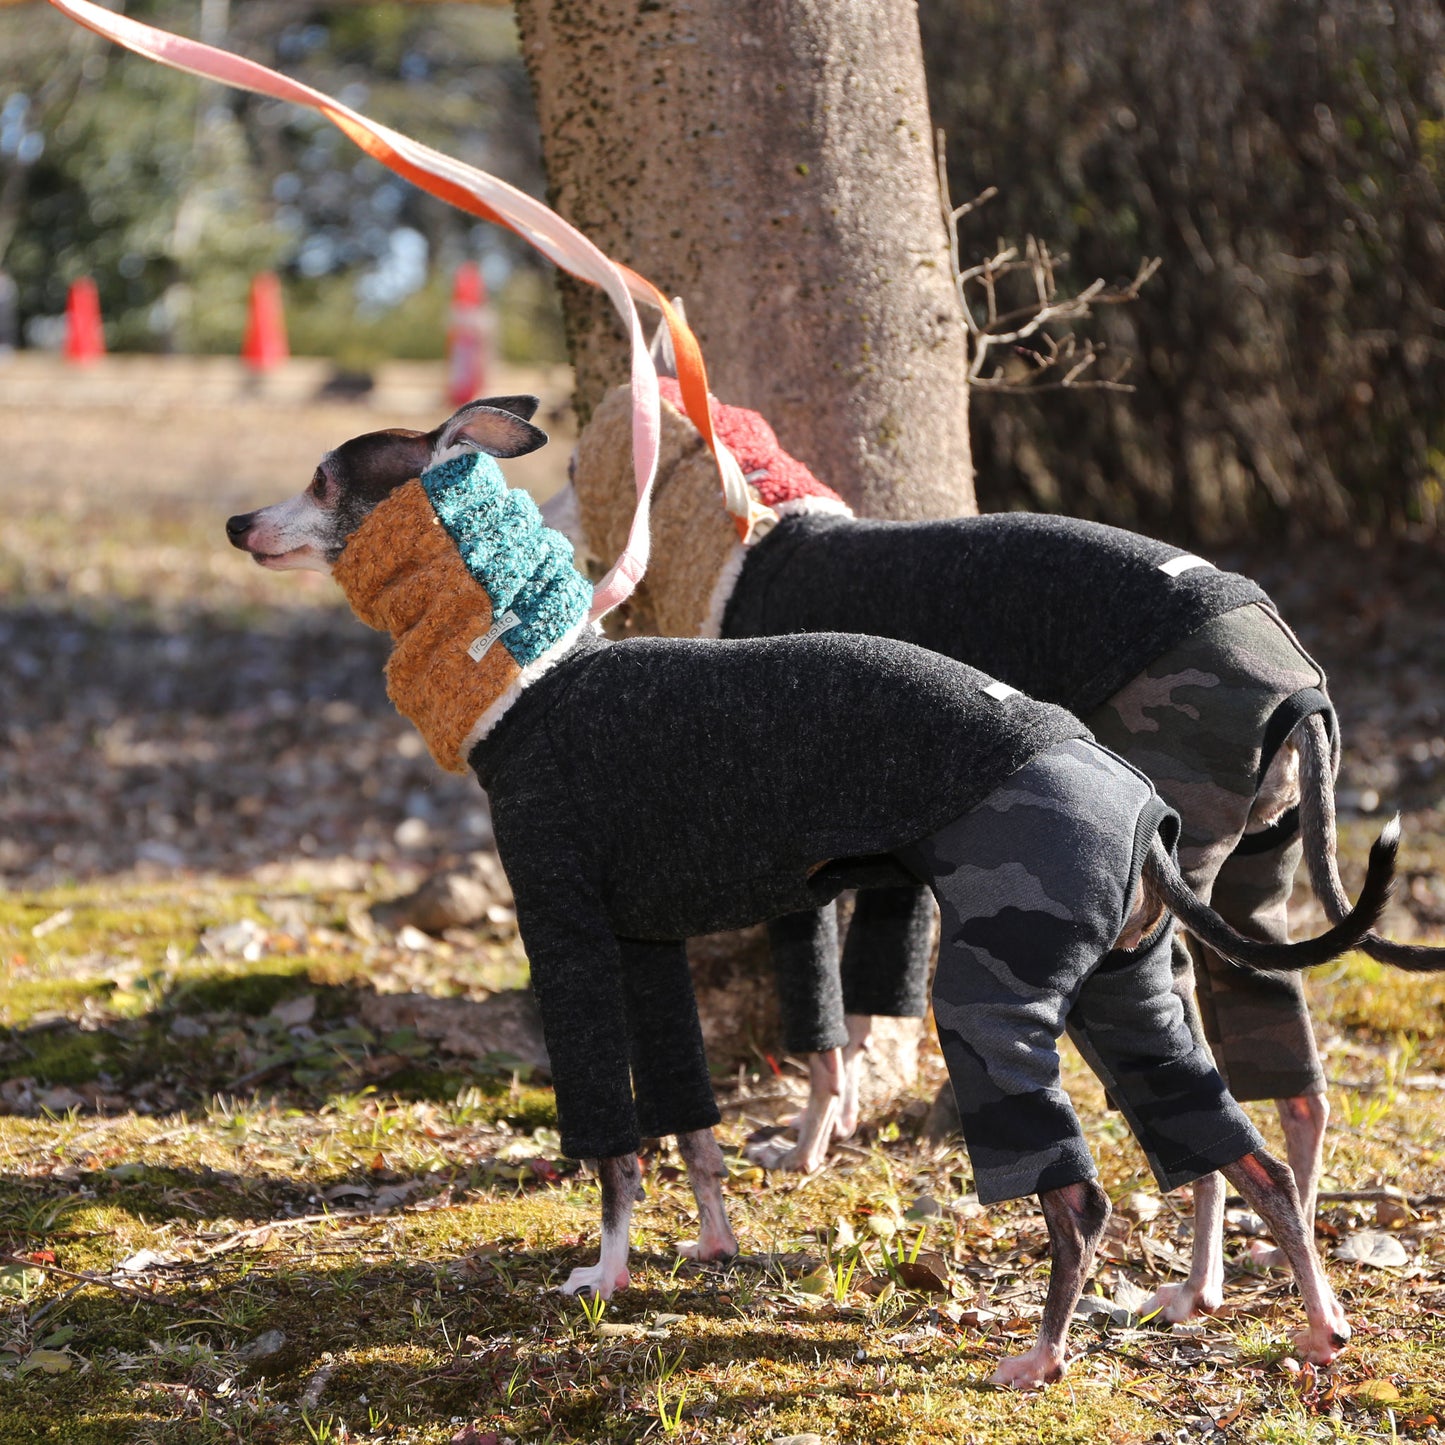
x,y
318,484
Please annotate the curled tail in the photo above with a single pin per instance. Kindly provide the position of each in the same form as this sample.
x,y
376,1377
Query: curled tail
x,y
1348,932
1317,828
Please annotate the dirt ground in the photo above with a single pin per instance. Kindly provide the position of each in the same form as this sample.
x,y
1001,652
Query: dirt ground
x,y
242,1198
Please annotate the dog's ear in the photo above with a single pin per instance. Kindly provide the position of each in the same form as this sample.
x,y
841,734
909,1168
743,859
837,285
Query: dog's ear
x,y
495,426
522,406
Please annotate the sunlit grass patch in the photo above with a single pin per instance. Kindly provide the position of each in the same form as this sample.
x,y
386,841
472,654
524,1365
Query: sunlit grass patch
x,y
328,1251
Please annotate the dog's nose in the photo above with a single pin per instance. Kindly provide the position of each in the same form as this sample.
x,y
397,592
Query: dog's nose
x,y
237,527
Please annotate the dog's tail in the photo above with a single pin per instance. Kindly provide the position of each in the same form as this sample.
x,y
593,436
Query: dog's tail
x,y
1317,828
1348,932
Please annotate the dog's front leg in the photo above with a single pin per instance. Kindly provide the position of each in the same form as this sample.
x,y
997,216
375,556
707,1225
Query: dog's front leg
x,y
1203,1291
1268,1188
706,1170
621,1188
1076,1216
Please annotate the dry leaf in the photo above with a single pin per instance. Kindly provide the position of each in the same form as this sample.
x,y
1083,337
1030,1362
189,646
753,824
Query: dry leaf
x,y
53,1362
295,1011
1372,1247
1378,1392
928,1274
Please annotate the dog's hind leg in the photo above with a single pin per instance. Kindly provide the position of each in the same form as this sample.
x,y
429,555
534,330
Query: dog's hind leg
x,y
1268,1188
1304,1118
706,1170
1076,1216
814,1126
621,1180
1203,1291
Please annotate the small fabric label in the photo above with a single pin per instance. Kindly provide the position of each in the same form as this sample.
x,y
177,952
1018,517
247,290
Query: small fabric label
x,y
1001,690
483,644
1187,563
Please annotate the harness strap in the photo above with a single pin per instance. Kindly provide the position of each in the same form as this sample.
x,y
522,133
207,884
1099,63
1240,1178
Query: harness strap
x,y
480,194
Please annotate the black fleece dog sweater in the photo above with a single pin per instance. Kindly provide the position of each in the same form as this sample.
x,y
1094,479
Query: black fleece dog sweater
x,y
1064,610
656,789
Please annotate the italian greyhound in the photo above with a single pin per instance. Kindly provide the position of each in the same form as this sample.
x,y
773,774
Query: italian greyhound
x,y
1213,700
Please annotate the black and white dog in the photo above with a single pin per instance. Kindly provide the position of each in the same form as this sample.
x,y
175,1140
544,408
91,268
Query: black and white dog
x,y
649,790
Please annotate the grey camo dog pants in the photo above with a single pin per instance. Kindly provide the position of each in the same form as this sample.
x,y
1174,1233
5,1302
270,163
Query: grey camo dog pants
x,y
1033,887
1197,721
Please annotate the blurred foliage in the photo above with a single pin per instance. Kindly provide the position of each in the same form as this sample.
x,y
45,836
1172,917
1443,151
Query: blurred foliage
x,y
172,193
1287,162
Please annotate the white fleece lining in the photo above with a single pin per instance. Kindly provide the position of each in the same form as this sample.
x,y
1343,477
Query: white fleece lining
x,y
722,591
525,678
797,506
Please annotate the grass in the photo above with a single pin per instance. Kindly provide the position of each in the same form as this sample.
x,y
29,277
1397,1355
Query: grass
x,y
354,1250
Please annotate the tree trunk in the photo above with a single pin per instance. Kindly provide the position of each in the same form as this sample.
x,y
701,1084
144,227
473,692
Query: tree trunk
x,y
773,165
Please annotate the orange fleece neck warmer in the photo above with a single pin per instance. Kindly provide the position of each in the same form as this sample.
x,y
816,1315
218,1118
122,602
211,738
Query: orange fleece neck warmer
x,y
436,565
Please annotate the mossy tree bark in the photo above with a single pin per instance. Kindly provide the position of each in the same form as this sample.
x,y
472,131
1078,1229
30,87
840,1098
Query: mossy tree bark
x,y
773,165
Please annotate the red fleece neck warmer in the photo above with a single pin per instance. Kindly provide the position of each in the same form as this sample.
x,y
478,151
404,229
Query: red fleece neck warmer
x,y
775,476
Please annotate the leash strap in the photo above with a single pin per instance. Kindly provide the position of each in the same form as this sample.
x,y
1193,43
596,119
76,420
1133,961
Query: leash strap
x,y
480,194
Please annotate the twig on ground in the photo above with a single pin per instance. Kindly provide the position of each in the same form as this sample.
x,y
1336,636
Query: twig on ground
x,y
84,1279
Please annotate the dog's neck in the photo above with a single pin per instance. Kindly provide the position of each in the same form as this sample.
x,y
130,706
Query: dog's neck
x,y
696,557
479,597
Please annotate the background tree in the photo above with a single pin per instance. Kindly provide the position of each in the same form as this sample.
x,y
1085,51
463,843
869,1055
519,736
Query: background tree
x,y
773,164
171,193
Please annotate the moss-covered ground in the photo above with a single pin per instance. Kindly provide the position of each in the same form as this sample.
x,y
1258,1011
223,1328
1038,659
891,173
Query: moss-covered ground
x,y
358,1246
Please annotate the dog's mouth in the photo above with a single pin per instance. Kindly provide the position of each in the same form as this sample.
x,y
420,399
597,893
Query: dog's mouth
x,y
277,561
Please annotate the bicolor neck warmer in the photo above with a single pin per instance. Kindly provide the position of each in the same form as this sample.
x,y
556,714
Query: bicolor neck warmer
x,y
696,557
480,598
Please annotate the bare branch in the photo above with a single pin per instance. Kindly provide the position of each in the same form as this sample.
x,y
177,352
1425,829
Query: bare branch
x,y
997,331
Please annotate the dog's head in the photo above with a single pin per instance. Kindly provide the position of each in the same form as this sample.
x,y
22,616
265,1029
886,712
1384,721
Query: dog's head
x,y
310,530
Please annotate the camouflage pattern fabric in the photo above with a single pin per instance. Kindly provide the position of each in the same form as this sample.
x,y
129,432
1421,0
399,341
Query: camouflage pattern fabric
x,y
1195,721
1033,886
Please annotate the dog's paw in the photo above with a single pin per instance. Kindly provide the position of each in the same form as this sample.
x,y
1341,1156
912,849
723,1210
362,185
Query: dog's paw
x,y
1030,1371
1265,1255
1175,1303
593,1279
781,1153
1320,1343
706,1250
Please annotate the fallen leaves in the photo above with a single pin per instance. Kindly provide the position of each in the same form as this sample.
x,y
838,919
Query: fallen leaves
x,y
1372,1247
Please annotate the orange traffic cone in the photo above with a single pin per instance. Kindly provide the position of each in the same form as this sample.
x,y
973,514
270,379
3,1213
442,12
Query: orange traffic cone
x,y
469,337
84,334
265,346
